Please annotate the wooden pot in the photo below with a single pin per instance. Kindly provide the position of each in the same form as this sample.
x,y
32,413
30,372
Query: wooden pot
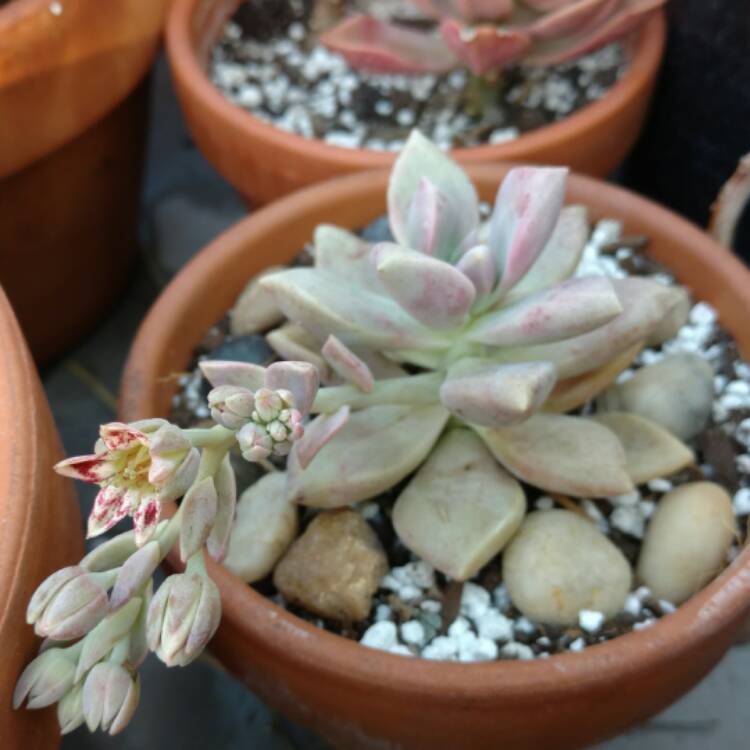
x,y
364,698
264,162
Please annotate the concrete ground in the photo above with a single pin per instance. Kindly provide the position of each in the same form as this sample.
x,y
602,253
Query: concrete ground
x,y
185,203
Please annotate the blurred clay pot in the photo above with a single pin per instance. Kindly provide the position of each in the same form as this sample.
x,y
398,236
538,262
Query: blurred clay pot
x,y
40,527
72,134
264,162
363,698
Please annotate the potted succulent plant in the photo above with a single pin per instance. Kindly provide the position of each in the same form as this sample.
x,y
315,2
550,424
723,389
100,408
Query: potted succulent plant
x,y
72,134
468,377
41,526
274,106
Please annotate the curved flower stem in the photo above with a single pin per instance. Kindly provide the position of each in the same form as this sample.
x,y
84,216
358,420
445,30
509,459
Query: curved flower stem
x,y
196,564
119,653
209,437
417,390
211,459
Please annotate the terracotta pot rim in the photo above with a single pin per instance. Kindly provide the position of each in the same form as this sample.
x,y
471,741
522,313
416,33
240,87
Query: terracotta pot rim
x,y
713,608
648,48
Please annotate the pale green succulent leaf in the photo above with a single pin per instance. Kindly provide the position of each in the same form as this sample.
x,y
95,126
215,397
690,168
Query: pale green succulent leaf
x,y
347,255
461,508
496,395
560,257
562,454
570,308
375,449
644,303
525,214
432,291
323,305
651,451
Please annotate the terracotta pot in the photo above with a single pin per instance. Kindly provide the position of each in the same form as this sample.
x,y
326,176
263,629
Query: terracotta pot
x,y
40,528
264,162
362,698
72,134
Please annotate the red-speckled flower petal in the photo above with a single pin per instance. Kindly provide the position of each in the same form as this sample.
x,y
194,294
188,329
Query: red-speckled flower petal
x,y
379,47
110,507
118,436
93,469
146,519
484,49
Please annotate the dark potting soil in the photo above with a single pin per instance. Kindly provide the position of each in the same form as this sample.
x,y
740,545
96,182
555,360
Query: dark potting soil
x,y
722,456
268,61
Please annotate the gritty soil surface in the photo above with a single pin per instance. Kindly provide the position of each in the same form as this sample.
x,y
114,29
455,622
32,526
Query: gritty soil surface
x,y
268,61
723,455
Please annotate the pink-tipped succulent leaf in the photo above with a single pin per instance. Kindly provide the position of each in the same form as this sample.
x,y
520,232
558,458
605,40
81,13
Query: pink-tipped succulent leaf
x,y
434,292
526,211
602,29
467,9
423,160
376,46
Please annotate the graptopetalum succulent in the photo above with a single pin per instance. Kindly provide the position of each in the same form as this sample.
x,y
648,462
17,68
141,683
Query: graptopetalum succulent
x,y
486,35
449,356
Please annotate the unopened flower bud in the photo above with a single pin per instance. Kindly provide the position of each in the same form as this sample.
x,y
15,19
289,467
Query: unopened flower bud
x,y
67,605
198,515
276,430
183,617
134,573
70,710
110,697
45,680
255,443
268,404
275,425
231,406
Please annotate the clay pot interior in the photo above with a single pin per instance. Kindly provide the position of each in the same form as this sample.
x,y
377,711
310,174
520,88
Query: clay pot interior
x,y
356,696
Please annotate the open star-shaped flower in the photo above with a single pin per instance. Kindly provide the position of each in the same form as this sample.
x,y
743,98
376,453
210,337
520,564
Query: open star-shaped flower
x,y
138,466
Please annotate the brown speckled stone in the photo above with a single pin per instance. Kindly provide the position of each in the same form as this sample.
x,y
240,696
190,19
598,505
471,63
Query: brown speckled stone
x,y
334,568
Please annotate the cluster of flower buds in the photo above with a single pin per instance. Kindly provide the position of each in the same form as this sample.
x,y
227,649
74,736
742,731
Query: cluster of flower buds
x,y
264,406
487,35
266,421
99,618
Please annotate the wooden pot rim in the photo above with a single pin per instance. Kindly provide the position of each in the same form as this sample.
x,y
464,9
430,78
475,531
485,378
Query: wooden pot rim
x,y
707,268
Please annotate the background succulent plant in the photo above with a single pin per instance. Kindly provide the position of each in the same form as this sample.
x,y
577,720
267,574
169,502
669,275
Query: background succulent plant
x,y
489,339
486,35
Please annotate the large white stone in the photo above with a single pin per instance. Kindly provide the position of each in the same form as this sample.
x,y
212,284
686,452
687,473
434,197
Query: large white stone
x,y
676,393
687,541
265,526
559,564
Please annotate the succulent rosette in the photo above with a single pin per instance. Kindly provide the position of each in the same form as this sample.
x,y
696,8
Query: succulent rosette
x,y
454,360
487,35
487,333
